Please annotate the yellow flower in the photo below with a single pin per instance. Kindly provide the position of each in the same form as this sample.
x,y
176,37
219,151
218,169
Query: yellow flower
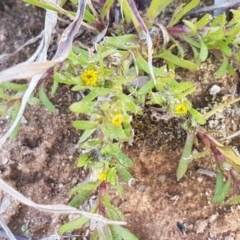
x,y
181,108
117,120
102,176
89,77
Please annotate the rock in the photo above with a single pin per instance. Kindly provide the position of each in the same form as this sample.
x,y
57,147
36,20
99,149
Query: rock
x,y
200,226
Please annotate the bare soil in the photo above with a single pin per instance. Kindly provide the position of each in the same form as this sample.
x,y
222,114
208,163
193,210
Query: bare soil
x,y
41,161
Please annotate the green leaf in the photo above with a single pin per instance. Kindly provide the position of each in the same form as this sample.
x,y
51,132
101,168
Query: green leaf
x,y
124,233
80,198
84,125
124,174
168,56
219,181
203,51
129,104
112,149
220,195
43,5
54,88
83,159
143,65
126,41
112,176
183,88
95,93
114,213
74,224
124,159
234,200
3,108
186,157
14,86
222,68
203,21
119,190
191,26
82,107
198,117
129,16
44,99
156,8
146,88
104,232
86,134
215,33
231,70
115,234
225,49
106,8
196,55
191,41
95,235
157,98
33,101
92,143
236,15
13,113
66,79
90,186
114,132
179,13
5,96
231,157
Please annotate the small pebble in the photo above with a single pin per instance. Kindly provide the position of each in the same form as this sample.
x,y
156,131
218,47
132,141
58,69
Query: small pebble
x,y
141,188
181,227
213,218
131,182
212,235
199,179
200,226
161,178
229,237
214,89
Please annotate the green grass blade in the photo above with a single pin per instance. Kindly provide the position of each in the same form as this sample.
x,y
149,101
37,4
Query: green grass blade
x,y
178,14
186,156
156,8
168,56
45,101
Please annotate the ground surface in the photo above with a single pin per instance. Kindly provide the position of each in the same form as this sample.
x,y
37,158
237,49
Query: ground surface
x,y
40,163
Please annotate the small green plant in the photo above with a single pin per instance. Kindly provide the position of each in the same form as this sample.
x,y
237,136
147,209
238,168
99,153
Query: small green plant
x,y
110,101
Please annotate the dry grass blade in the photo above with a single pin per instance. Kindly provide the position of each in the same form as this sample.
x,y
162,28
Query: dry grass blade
x,y
231,136
224,5
220,107
33,40
165,34
102,34
6,229
59,208
25,70
148,37
65,44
